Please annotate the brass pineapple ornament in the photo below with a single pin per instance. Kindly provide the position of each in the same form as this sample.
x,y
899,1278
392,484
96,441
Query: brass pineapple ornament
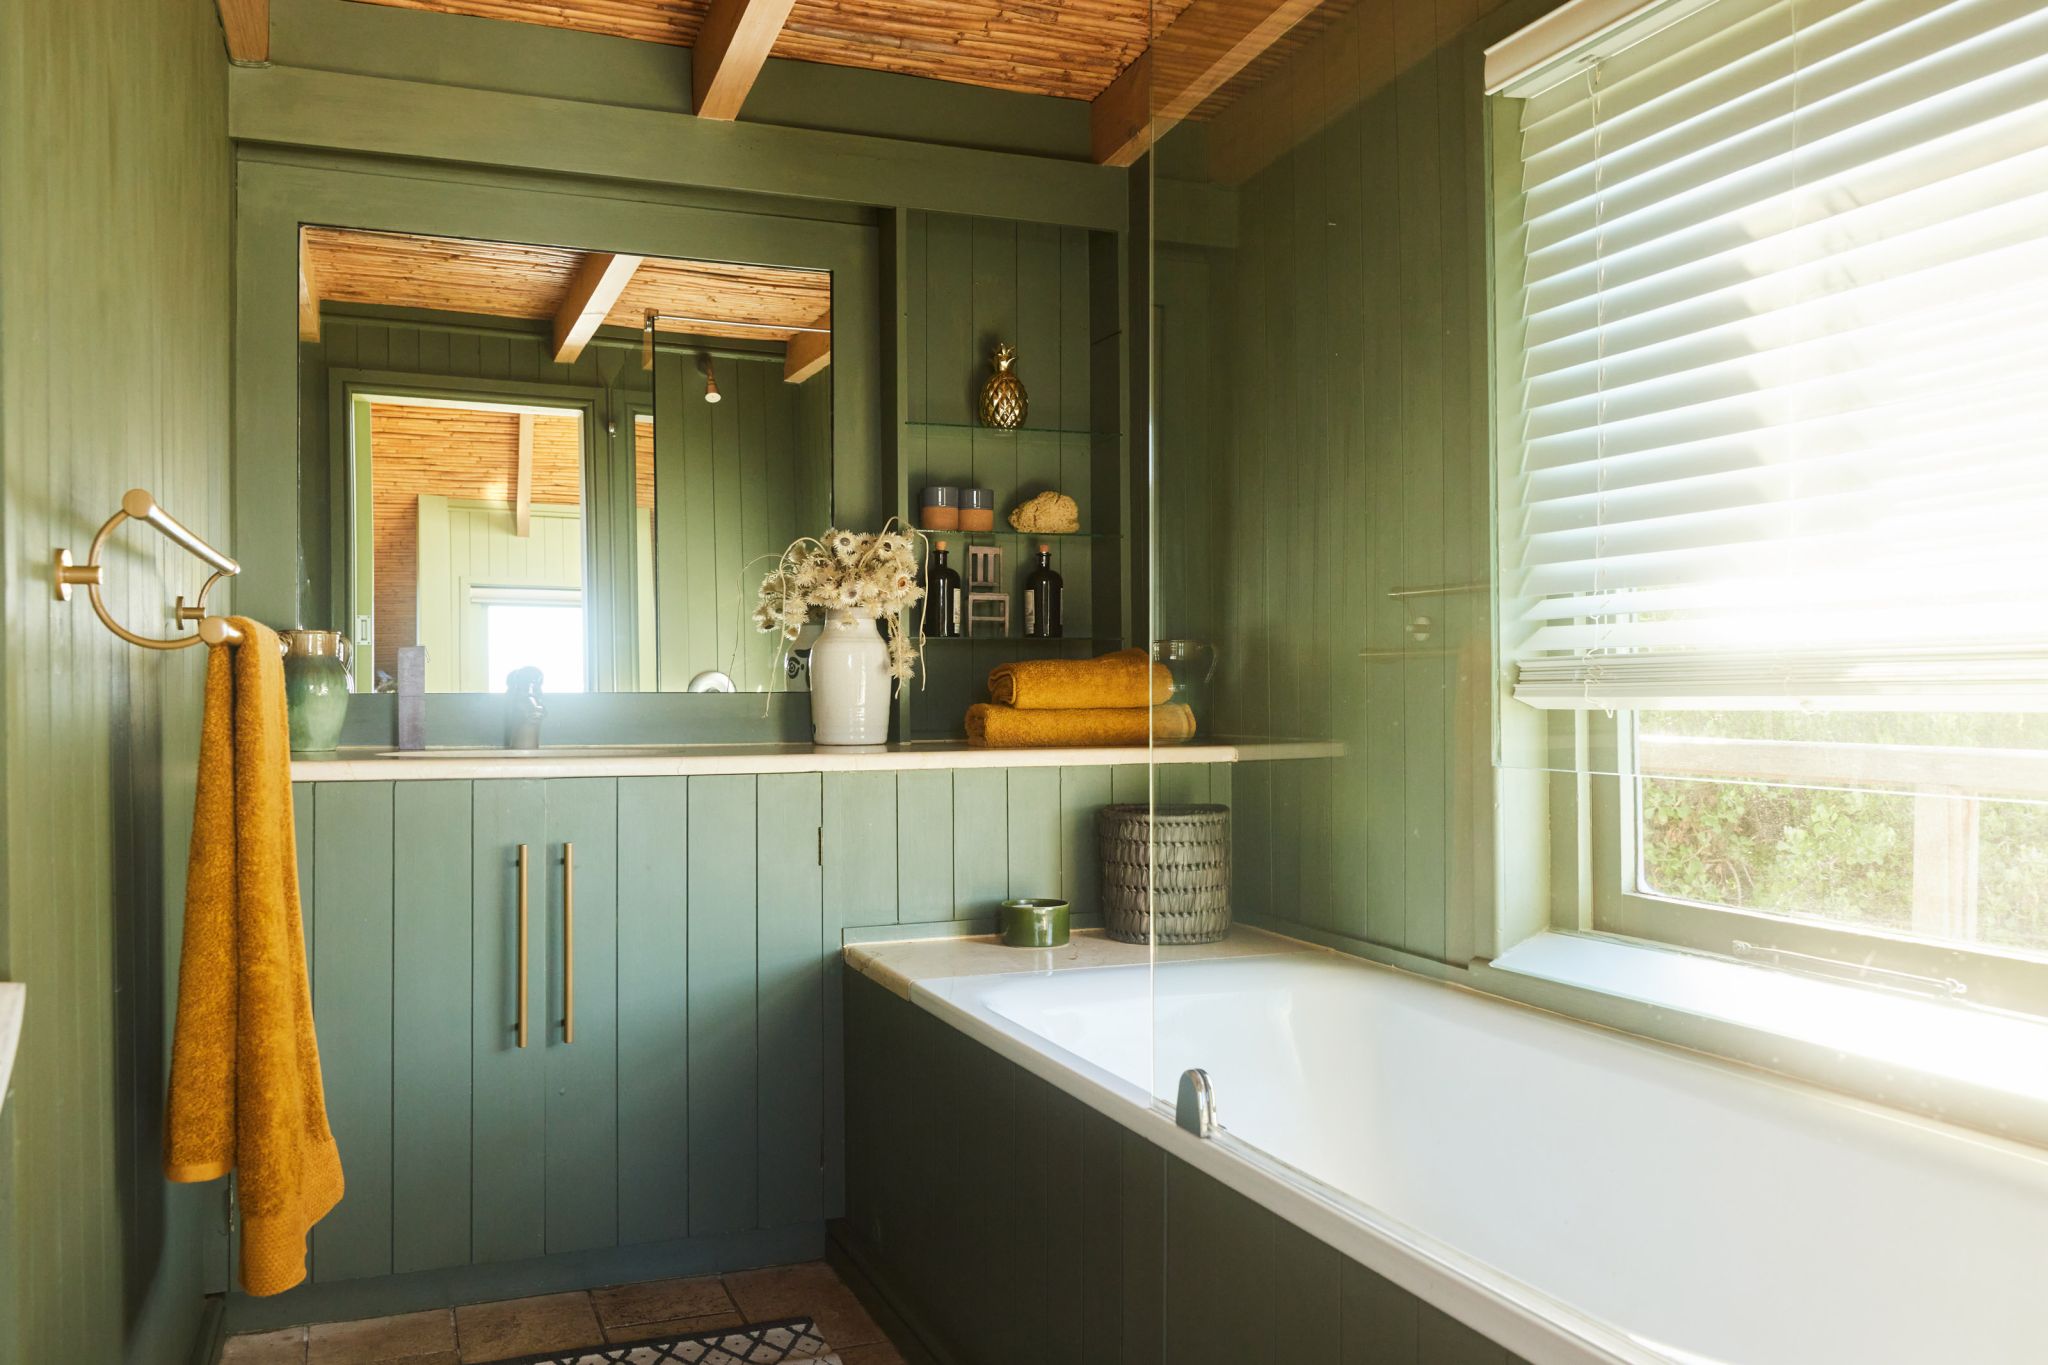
x,y
1003,402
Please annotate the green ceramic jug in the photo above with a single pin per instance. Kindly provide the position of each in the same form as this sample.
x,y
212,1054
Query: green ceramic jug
x,y
317,684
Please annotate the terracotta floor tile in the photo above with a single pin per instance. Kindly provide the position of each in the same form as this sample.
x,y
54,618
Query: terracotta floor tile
x,y
811,1290
513,1327
660,1301
373,1340
287,1347
678,1327
880,1353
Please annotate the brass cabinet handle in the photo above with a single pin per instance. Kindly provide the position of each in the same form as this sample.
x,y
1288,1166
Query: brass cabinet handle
x,y
568,943
522,946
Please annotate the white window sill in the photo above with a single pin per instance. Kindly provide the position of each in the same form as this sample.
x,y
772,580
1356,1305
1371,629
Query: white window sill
x,y
2004,1053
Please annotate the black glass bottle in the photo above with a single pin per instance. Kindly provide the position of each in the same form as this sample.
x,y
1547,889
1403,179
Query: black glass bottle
x,y
1043,589
941,596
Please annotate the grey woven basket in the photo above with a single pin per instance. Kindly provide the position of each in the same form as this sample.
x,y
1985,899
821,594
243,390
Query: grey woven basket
x,y
1180,857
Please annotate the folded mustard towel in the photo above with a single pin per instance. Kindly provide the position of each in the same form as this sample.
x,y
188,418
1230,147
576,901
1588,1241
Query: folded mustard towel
x,y
1125,678
1006,727
245,1070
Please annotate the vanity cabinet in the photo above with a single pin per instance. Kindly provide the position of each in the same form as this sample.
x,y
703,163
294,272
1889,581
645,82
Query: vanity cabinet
x,y
671,1086
692,1119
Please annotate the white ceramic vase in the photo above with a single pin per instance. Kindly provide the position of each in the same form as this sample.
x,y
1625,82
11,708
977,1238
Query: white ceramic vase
x,y
850,681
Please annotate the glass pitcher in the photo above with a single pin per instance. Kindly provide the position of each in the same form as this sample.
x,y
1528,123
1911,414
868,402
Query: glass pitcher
x,y
1192,664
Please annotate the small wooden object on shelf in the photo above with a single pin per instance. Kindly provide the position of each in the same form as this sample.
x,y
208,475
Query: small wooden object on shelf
x,y
987,602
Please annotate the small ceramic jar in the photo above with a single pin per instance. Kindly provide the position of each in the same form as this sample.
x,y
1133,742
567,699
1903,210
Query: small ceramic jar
x,y
939,509
1034,923
977,509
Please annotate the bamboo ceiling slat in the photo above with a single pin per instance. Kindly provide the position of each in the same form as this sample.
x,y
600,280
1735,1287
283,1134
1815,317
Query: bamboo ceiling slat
x,y
1068,48
499,279
768,294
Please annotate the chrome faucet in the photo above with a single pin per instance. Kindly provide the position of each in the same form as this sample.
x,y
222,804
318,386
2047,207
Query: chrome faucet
x,y
1195,1109
523,709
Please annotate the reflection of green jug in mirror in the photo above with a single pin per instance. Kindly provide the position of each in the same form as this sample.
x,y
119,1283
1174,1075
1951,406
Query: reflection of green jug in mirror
x,y
1192,664
316,687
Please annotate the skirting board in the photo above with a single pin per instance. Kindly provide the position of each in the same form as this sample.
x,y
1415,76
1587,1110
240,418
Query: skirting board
x,y
346,1300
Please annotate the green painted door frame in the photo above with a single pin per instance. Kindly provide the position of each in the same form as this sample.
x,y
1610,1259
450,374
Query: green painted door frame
x,y
275,195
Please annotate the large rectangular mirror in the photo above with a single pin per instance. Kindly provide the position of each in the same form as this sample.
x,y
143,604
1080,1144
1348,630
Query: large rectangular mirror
x,y
569,460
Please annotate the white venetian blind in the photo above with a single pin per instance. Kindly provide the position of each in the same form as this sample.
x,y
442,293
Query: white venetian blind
x,y
1781,359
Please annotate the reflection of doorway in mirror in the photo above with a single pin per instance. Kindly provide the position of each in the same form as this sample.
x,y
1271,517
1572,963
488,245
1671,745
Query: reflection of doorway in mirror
x,y
465,494
648,657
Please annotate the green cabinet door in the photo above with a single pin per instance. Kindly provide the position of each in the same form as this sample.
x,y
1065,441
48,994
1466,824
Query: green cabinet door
x,y
672,1079
509,1031
580,1043
544,1146
432,982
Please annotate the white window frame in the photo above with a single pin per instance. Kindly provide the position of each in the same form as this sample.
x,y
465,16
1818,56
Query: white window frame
x,y
1568,861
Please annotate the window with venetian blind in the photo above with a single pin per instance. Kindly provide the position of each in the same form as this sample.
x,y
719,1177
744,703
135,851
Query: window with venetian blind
x,y
1772,294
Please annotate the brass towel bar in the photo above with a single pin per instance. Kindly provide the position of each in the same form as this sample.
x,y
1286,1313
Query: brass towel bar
x,y
138,505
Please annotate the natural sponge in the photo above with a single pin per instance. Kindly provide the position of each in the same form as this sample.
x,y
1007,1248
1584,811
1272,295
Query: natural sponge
x,y
1048,514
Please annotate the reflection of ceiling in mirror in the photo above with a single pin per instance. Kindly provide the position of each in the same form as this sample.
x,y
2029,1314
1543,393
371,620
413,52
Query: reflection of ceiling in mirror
x,y
1072,50
499,279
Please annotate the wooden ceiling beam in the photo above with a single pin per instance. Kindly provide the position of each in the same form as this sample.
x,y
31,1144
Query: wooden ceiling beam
x,y
246,26
729,52
808,352
1208,44
595,287
309,293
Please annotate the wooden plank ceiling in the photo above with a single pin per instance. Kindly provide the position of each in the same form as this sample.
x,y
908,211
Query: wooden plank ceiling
x,y
1069,49
498,279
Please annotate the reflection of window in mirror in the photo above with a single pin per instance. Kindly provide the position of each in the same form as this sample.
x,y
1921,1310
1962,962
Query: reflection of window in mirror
x,y
509,458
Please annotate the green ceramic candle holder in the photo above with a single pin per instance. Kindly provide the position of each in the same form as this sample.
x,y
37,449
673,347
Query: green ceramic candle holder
x,y
1034,923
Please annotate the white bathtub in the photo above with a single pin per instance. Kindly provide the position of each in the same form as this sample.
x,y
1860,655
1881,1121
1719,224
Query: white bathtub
x,y
1572,1193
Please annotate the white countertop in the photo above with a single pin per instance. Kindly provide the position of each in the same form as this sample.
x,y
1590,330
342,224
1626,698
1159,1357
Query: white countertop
x,y
13,1000
901,963
677,760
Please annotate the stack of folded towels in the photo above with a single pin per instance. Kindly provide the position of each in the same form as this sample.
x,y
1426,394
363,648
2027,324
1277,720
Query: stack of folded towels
x,y
1116,699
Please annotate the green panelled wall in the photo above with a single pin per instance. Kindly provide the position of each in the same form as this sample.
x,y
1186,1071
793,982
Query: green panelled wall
x,y
694,1122
114,315
1011,1224
735,482
1323,447
968,284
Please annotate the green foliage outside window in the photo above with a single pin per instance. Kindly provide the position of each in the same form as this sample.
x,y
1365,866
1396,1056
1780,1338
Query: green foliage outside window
x,y
1835,854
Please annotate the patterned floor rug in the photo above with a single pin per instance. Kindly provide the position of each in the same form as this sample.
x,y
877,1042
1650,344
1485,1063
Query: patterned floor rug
x,y
766,1343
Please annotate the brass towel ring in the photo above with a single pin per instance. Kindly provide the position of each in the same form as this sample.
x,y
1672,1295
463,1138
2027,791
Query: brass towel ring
x,y
138,505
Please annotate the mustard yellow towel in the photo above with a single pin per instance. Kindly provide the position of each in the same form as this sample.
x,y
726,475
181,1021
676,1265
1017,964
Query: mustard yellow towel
x,y
1125,678
1006,727
245,1070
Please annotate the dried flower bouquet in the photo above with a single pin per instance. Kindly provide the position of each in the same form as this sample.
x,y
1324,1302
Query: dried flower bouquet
x,y
871,574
